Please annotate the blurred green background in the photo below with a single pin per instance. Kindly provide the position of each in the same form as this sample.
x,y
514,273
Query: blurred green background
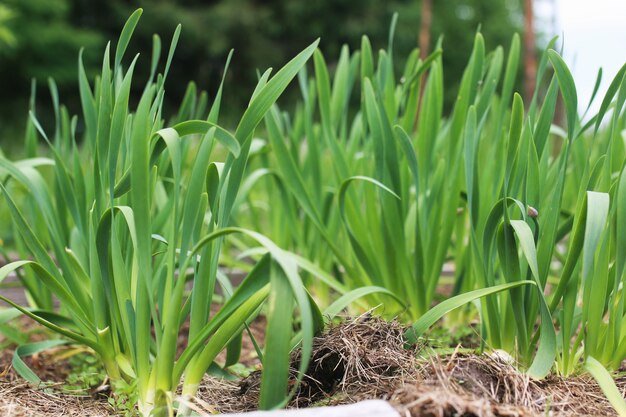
x,y
42,38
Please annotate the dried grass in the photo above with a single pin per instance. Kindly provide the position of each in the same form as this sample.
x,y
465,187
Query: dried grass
x,y
19,399
489,385
363,359
366,359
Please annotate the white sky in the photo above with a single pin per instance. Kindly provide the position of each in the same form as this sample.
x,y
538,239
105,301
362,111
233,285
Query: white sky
x,y
594,32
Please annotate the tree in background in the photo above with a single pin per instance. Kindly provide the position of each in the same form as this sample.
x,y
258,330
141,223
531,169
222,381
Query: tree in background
x,y
44,44
49,34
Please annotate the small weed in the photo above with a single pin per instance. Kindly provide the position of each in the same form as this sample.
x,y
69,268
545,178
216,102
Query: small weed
x,y
86,374
124,398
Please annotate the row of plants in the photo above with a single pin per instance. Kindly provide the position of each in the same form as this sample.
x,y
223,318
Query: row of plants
x,y
356,197
395,190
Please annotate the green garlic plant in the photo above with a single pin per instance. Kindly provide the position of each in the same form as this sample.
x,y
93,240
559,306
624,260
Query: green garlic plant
x,y
117,242
368,186
387,193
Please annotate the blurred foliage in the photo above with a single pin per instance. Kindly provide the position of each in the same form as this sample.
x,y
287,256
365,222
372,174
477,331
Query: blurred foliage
x,y
7,38
45,43
41,39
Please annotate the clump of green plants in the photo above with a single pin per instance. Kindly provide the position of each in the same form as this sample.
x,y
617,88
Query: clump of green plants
x,y
333,203
390,193
117,227
378,193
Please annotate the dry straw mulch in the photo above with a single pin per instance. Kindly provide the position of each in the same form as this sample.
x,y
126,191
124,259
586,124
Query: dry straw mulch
x,y
366,358
363,359
488,385
19,399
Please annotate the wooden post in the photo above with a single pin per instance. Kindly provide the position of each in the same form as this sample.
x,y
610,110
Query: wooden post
x,y
426,20
425,27
530,61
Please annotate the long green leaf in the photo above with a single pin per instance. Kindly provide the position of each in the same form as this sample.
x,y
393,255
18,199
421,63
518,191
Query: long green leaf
x,y
607,384
420,326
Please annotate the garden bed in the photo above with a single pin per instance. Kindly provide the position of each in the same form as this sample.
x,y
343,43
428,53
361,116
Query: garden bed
x,y
357,360
357,196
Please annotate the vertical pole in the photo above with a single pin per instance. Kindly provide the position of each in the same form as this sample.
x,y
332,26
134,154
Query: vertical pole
x,y
426,20
425,25
530,60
